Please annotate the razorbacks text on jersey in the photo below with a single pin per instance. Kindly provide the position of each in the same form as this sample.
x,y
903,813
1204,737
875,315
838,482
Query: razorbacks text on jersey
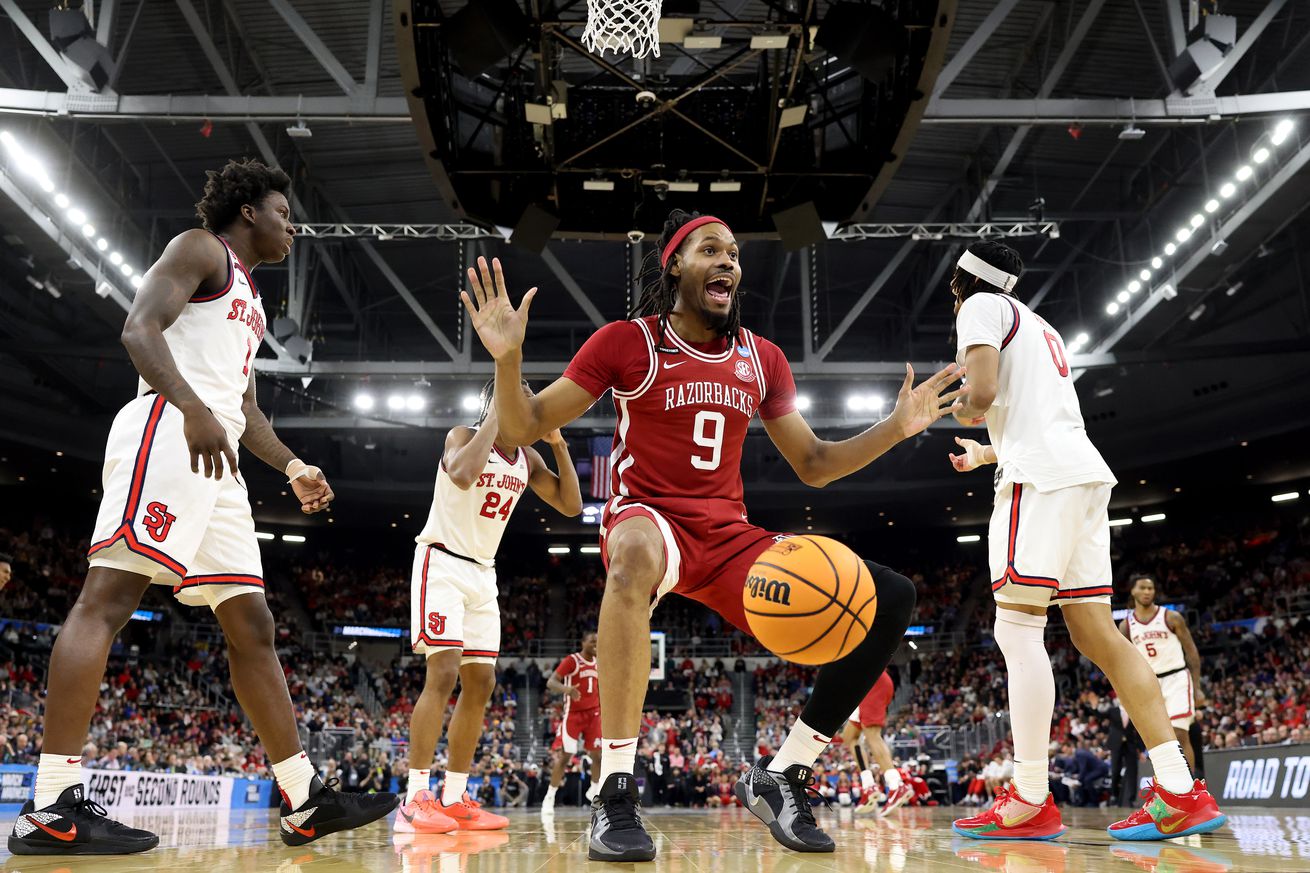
x,y
1035,423
577,672
471,523
683,408
1157,642
214,341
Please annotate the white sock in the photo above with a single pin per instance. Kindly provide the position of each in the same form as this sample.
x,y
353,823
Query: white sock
x,y
419,780
54,774
893,779
550,792
293,776
1022,640
1170,767
617,760
452,790
803,746
593,791
866,779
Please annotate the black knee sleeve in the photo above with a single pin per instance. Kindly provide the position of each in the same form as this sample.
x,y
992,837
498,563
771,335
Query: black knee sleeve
x,y
841,685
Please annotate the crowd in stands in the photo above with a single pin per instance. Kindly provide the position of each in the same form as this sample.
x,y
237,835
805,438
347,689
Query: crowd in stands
x,y
1246,597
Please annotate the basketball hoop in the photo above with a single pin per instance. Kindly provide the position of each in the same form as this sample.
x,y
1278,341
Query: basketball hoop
x,y
623,26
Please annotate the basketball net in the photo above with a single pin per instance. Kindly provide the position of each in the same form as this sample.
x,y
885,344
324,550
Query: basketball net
x,y
623,26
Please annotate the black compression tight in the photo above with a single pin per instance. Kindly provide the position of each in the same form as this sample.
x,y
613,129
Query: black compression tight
x,y
841,685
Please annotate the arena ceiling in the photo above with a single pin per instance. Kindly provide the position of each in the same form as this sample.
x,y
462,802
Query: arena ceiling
x,y
1028,124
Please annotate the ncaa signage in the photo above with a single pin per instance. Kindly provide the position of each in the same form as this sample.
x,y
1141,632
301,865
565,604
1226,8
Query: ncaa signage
x,y
136,789
1260,776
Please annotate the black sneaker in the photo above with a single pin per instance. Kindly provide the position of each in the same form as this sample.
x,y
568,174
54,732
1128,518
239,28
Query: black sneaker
x,y
616,830
73,825
328,810
781,801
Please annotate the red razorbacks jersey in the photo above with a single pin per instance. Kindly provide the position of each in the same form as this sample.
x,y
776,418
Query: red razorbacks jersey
x,y
577,672
683,407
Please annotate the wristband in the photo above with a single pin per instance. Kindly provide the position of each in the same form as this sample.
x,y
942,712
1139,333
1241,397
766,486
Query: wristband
x,y
977,455
298,468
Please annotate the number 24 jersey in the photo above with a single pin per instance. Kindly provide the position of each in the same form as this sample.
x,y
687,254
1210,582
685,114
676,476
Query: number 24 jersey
x,y
683,408
471,523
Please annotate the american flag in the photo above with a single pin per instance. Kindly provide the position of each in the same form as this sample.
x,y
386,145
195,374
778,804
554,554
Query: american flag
x,y
600,466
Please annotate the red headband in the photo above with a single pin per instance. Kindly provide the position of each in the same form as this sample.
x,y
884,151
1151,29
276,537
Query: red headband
x,y
683,233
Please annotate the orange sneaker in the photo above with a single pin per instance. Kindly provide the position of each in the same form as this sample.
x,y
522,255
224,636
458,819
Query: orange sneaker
x,y
421,816
1011,817
1164,815
471,817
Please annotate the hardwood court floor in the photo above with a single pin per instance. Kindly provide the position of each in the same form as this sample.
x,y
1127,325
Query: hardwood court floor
x,y
703,841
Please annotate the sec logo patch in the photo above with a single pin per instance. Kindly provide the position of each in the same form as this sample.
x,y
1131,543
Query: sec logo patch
x,y
744,371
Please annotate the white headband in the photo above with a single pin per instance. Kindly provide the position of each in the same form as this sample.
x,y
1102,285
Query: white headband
x,y
971,263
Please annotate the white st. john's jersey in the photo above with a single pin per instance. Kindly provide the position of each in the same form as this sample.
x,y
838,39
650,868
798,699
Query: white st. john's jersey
x,y
471,523
1158,644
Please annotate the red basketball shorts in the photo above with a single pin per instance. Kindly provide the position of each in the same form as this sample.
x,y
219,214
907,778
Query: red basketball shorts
x,y
872,711
709,547
578,731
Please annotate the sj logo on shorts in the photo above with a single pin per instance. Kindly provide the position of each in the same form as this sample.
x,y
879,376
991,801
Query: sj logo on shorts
x,y
158,520
436,623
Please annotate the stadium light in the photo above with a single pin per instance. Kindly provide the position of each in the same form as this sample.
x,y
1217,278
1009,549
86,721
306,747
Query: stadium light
x,y
558,550
1122,297
968,538
1151,519
1197,220
61,200
1170,248
102,244
1183,234
470,402
138,281
1134,286
1260,155
292,538
1285,498
589,550
1112,308
1145,275
864,403
803,402
1157,262
1081,339
415,403
1281,131
1244,172
1120,522
76,216
1211,205
1228,189
264,535
395,402
364,401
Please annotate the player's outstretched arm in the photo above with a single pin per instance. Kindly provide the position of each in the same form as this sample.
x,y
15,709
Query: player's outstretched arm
x,y
308,482
501,328
561,490
193,260
1191,656
467,451
818,462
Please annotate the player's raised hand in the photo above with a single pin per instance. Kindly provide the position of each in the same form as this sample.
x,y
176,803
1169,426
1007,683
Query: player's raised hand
x,y
916,408
500,326
975,455
312,490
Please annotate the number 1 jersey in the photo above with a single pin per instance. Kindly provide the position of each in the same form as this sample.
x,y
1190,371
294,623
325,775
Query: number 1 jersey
x,y
471,523
1035,423
683,408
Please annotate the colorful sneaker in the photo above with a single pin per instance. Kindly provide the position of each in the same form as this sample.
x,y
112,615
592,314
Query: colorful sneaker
x,y
1164,816
328,810
73,825
896,798
421,816
1011,817
469,815
1013,856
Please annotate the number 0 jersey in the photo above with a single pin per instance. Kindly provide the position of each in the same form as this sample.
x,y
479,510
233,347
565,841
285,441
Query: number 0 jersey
x,y
683,408
214,342
1035,423
471,523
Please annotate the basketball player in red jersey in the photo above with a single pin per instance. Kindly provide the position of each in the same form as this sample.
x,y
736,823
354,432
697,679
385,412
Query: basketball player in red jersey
x,y
687,379
866,723
192,332
579,728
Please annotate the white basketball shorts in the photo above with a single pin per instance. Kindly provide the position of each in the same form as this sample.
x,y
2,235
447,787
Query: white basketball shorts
x,y
1050,545
453,606
1178,698
159,519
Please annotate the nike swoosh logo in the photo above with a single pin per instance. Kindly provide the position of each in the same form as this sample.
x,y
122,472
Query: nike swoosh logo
x,y
1169,828
304,833
75,760
67,836
630,742
824,740
669,366
409,818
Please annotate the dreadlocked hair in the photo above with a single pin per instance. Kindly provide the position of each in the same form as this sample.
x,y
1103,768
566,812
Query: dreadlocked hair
x,y
238,183
1000,256
660,294
487,395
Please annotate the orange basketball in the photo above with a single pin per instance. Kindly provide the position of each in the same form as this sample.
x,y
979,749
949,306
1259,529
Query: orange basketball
x,y
809,599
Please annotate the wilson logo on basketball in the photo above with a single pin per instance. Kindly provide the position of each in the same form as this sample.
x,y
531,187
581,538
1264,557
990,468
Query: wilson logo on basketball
x,y
770,589
436,623
158,520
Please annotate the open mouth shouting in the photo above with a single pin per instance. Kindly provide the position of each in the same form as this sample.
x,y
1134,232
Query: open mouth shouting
x,y
719,288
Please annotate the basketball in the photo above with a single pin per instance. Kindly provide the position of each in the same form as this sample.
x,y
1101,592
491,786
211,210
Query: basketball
x,y
809,599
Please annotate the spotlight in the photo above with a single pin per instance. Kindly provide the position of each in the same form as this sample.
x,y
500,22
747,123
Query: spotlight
x,y
364,401
1120,522
803,402
1151,519
395,402
1244,172
1219,247
1197,220
137,281
1211,205
470,403
299,130
1134,286
102,244
1260,155
973,538
115,258
88,231
1157,262
76,216
1281,132
1227,190
1131,131
1168,292
61,200
415,403
1123,297
855,403
597,185
1112,308
1184,233
126,269
1284,498
1145,275
1170,248
725,186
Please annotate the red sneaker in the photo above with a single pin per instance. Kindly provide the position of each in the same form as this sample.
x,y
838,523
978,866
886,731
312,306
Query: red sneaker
x,y
473,818
1011,817
896,798
1164,816
421,816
